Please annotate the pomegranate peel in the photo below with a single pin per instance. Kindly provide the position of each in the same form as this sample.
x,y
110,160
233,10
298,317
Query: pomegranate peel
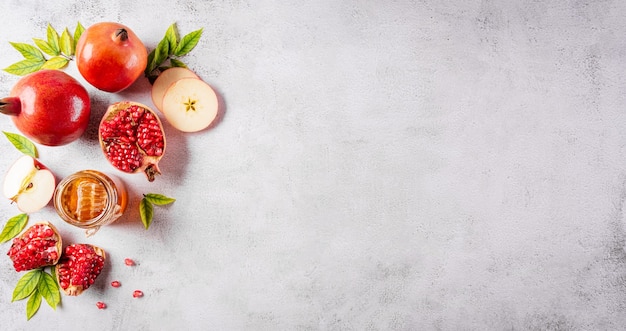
x,y
79,267
48,106
38,246
132,138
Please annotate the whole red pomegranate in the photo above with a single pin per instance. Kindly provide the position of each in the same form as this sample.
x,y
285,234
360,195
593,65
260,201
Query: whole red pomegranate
x,y
39,246
132,138
110,56
79,267
48,106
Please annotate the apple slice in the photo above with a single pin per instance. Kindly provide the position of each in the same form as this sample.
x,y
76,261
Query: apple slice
x,y
190,105
165,79
29,184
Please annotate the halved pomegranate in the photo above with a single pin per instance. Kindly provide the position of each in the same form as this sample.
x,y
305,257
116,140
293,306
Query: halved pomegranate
x,y
132,138
79,267
39,246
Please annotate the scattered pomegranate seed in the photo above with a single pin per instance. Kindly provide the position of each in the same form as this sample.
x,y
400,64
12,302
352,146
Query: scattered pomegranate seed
x,y
101,305
116,283
129,262
137,294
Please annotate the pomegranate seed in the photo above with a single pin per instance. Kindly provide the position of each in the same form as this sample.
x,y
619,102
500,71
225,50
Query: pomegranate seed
x,y
115,283
101,305
129,262
137,294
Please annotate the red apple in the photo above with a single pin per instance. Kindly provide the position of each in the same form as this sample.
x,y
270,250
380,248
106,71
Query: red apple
x,y
29,184
110,56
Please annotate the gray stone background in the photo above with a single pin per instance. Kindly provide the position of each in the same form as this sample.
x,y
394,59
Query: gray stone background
x,y
382,165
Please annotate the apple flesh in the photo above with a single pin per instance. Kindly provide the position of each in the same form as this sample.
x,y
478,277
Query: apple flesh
x,y
29,184
190,104
165,79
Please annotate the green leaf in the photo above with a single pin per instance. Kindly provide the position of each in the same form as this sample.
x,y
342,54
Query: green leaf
x,y
188,42
171,36
33,304
177,63
45,47
29,52
53,38
149,67
22,143
160,54
56,62
146,211
158,199
24,67
66,43
53,273
49,290
13,227
77,33
26,285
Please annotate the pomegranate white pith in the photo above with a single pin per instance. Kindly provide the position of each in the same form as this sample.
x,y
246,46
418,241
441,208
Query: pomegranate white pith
x,y
132,138
38,246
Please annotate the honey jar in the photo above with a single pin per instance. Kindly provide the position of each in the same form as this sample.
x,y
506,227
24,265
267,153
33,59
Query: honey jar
x,y
90,199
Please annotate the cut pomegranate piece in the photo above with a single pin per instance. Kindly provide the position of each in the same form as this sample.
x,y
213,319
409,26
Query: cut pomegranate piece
x,y
39,246
79,267
132,138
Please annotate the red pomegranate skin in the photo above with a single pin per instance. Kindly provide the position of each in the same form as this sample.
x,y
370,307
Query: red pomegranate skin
x,y
53,108
110,56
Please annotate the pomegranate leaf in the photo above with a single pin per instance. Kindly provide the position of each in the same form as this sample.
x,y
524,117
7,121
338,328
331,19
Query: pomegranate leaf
x,y
45,47
77,33
158,199
60,48
22,143
146,211
24,67
171,35
26,285
161,53
53,38
168,49
13,227
177,63
56,62
49,290
33,304
66,43
29,52
188,42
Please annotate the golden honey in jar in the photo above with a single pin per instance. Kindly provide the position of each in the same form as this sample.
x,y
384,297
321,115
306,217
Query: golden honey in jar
x,y
90,199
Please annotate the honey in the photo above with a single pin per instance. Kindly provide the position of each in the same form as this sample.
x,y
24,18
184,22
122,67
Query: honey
x,y
90,199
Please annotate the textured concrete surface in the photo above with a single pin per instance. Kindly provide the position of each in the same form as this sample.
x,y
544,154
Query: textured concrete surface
x,y
382,165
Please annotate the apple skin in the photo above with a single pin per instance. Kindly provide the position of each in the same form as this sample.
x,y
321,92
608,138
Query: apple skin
x,y
48,106
110,56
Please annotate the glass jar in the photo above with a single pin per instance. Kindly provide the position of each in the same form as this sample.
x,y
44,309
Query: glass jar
x,y
90,199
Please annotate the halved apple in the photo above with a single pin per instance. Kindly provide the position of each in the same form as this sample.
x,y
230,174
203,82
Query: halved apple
x,y
164,80
29,184
190,105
